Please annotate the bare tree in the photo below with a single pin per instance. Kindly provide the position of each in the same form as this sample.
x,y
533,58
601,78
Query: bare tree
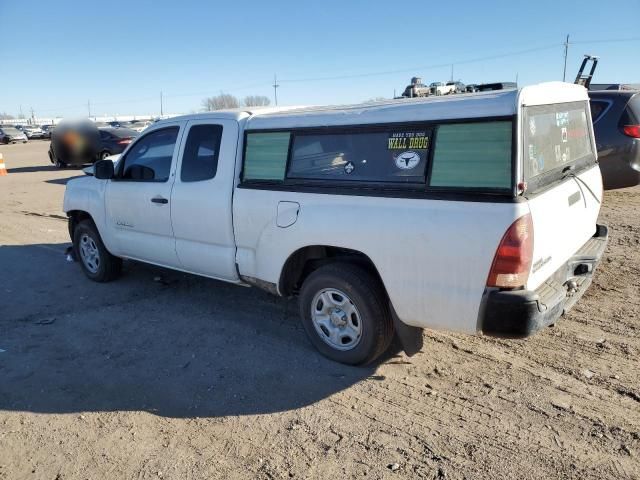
x,y
219,102
256,101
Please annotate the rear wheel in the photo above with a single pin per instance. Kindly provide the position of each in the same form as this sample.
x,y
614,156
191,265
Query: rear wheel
x,y
104,155
345,312
96,261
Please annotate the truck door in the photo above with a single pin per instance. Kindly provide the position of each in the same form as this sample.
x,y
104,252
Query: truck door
x,y
201,201
137,199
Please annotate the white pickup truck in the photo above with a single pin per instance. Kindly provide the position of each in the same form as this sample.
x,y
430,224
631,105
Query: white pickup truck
x,y
474,213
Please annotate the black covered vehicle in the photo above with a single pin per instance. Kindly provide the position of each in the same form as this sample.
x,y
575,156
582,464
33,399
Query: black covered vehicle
x,y
114,141
616,122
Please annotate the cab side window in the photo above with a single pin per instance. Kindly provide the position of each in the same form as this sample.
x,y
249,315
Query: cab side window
x,y
149,159
200,157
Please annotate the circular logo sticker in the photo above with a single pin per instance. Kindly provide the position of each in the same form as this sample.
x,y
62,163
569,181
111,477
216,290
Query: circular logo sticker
x,y
349,167
407,160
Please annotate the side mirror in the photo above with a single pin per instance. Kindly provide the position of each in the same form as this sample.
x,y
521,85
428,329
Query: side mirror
x,y
103,169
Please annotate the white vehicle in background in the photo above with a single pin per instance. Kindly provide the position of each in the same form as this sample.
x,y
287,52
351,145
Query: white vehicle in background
x,y
10,134
471,213
138,126
441,88
33,132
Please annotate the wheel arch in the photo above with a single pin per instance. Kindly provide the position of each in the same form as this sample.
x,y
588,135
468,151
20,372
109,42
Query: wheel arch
x,y
305,260
75,217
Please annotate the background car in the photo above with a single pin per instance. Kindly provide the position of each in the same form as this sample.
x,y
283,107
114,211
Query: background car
x,y
46,130
11,135
137,125
33,131
458,87
441,88
114,140
616,123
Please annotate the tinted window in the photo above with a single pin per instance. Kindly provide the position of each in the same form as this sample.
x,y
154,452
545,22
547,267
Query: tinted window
x,y
554,137
150,158
597,109
631,114
473,155
200,158
393,155
266,156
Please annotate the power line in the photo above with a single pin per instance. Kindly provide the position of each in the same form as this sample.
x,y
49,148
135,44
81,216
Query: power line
x,y
424,67
566,51
611,40
275,84
275,88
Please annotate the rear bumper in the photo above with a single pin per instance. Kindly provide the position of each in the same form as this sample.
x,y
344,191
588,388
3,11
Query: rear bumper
x,y
520,313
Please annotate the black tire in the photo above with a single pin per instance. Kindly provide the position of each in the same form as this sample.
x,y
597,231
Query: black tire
x,y
365,292
60,164
108,267
104,155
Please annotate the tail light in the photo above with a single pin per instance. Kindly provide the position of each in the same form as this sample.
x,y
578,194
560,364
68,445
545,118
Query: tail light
x,y
512,261
631,130
124,141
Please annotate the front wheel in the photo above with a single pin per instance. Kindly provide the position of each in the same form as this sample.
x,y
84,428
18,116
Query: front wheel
x,y
97,263
345,313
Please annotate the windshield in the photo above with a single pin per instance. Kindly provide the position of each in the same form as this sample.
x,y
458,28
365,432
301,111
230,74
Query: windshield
x,y
11,131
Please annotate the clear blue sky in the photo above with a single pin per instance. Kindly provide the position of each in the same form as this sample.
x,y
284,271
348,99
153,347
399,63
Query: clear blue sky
x,y
57,54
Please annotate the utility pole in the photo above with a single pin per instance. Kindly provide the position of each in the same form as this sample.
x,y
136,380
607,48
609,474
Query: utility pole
x,y
33,116
452,72
566,51
161,108
275,88
89,107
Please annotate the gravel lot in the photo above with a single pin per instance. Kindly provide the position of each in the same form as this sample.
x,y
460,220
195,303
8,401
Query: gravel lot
x,y
166,375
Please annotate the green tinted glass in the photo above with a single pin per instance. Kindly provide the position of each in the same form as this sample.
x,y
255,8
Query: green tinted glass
x,y
266,156
476,155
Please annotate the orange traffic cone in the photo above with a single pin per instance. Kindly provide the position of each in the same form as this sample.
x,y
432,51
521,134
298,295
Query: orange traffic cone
x,y
3,167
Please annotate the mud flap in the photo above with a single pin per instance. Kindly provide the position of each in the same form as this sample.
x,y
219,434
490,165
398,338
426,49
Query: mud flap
x,y
410,337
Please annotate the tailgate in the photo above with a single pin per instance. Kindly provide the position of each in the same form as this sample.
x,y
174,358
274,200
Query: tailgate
x,y
563,183
564,219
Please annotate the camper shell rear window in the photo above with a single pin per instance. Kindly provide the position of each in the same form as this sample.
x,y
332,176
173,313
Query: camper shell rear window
x,y
469,156
557,140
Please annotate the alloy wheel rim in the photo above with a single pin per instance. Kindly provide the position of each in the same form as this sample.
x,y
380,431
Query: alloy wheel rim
x,y
336,319
89,253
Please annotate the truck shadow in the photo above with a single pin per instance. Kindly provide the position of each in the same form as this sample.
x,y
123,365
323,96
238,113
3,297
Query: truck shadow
x,y
160,341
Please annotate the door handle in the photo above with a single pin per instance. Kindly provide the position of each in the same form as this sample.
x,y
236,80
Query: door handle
x,y
159,200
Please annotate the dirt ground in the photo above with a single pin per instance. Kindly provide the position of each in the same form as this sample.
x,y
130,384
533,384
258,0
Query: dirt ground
x,y
167,375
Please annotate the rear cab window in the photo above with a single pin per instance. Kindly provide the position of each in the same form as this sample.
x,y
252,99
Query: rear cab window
x,y
557,140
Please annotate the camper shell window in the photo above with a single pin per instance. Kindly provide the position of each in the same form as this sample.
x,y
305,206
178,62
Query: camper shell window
x,y
393,155
451,157
557,141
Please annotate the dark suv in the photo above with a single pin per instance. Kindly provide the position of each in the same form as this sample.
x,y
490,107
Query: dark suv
x,y
616,122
